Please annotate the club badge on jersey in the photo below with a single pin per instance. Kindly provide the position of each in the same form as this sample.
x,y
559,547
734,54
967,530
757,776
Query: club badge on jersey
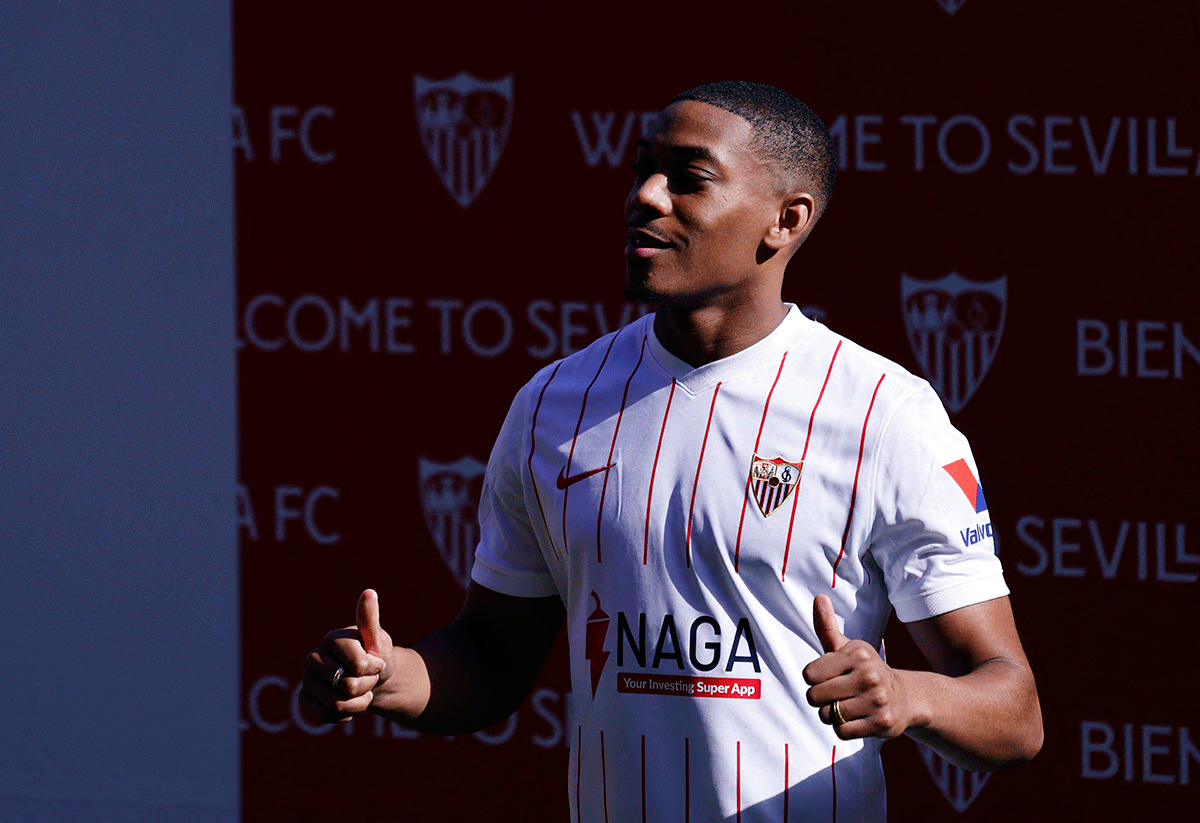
x,y
772,481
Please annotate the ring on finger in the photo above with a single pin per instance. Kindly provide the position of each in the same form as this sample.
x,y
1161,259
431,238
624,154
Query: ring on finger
x,y
337,676
835,715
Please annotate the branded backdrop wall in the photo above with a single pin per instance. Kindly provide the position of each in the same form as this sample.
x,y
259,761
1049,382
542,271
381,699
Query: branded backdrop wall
x,y
429,209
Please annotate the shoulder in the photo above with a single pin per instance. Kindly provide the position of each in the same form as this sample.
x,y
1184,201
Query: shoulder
x,y
576,372
863,373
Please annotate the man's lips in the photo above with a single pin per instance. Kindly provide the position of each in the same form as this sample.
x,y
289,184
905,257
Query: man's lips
x,y
644,243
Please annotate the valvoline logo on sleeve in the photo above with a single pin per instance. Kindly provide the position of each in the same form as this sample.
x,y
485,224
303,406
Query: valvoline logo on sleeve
x,y
960,472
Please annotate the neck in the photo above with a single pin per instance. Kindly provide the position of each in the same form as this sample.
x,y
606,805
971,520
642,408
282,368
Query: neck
x,y
699,335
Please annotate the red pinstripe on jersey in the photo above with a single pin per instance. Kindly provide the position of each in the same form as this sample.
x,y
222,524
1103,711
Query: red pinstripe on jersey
x,y
737,548
796,491
604,775
643,778
833,771
786,784
687,781
575,437
613,448
696,485
650,492
854,489
532,441
739,781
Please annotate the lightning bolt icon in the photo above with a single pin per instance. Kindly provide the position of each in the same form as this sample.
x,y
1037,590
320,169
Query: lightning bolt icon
x,y
597,631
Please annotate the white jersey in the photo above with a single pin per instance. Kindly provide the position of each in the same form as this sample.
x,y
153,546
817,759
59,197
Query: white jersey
x,y
688,517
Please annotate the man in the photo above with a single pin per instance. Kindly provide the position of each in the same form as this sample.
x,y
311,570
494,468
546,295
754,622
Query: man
x,y
725,501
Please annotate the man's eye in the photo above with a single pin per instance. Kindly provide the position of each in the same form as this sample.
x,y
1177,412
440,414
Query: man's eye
x,y
690,177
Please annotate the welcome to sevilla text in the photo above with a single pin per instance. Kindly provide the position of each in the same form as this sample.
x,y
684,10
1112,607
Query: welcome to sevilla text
x,y
390,324
962,143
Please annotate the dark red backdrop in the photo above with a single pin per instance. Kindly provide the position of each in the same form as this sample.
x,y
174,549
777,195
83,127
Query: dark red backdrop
x,y
384,325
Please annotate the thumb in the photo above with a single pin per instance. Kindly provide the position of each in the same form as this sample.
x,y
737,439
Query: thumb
x,y
825,622
366,617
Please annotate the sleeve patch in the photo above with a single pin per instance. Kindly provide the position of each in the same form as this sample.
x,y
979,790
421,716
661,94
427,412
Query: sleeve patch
x,y
960,472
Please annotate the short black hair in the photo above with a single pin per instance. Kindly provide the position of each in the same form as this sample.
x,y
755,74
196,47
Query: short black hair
x,y
786,130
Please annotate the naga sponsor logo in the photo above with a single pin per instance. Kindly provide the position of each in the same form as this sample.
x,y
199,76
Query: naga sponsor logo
x,y
1146,349
1108,549
954,327
292,134
1137,753
597,631
464,124
449,492
312,323
959,786
703,652
744,688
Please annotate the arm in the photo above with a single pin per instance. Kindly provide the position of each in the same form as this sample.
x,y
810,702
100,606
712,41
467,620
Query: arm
x,y
978,708
460,679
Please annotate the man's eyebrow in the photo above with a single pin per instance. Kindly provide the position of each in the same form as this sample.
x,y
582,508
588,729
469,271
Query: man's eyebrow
x,y
683,152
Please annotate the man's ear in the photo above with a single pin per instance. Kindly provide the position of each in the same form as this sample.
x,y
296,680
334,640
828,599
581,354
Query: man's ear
x,y
797,214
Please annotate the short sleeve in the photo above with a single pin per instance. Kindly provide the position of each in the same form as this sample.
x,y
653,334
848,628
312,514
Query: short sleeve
x,y
932,534
508,558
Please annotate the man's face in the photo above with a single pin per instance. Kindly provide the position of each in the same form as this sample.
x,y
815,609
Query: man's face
x,y
701,203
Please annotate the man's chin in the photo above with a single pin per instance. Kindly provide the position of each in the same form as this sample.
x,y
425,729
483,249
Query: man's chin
x,y
639,293
637,290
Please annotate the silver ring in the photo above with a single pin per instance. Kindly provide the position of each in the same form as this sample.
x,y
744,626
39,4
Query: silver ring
x,y
337,677
836,718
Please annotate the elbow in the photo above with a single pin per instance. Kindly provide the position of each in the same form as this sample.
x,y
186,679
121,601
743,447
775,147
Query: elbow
x,y
1027,733
1026,741
1033,739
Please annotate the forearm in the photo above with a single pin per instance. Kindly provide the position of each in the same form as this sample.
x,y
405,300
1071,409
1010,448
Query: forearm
x,y
446,684
475,672
989,718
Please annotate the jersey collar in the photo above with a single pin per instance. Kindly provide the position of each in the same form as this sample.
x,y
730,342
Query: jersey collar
x,y
763,354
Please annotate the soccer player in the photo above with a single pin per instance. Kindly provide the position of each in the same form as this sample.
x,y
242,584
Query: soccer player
x,y
725,501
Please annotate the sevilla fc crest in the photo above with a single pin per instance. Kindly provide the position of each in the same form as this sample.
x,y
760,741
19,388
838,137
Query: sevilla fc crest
x,y
449,499
954,328
772,481
464,124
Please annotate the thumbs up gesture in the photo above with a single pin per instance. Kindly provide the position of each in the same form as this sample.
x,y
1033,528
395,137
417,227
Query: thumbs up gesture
x,y
853,689
344,672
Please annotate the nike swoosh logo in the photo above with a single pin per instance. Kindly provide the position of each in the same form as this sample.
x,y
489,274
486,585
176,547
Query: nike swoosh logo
x,y
564,481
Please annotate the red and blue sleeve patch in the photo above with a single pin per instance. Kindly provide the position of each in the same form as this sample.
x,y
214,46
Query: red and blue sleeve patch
x,y
960,472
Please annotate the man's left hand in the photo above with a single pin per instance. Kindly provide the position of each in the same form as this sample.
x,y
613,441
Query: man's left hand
x,y
870,698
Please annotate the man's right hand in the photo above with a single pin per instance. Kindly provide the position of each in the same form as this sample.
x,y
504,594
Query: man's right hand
x,y
365,658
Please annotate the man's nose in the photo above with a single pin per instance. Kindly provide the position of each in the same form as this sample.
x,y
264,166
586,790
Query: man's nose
x,y
651,195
